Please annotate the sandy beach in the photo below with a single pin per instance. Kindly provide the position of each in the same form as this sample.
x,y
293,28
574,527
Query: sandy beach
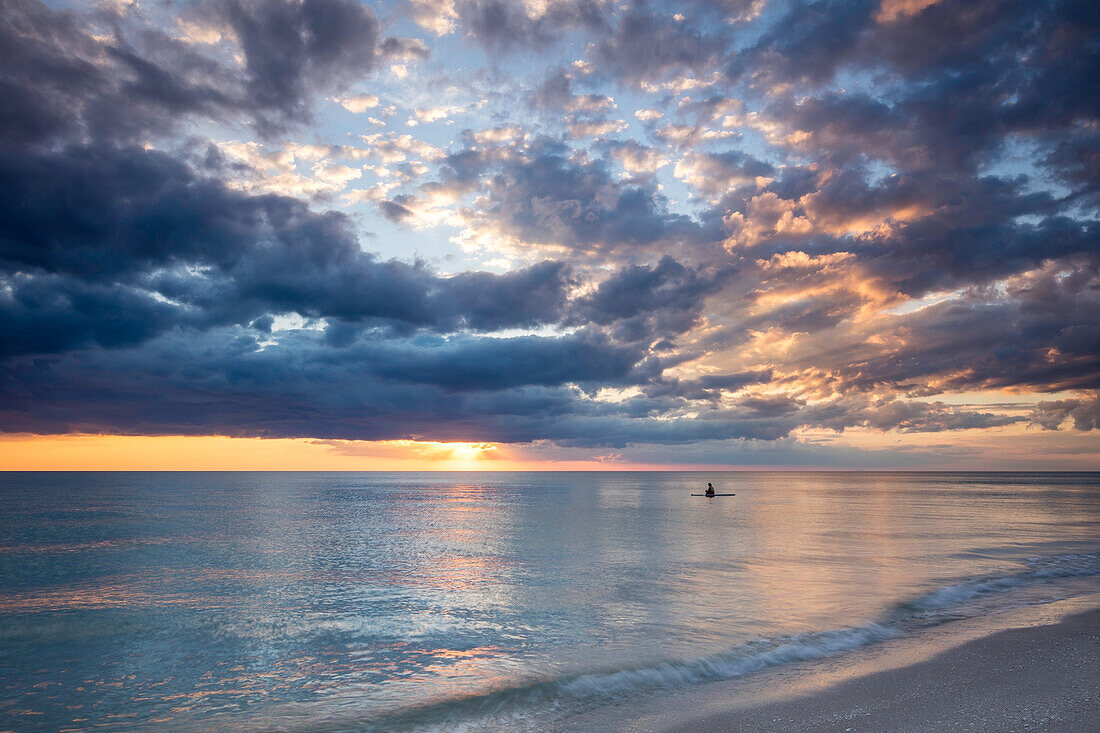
x,y
1040,673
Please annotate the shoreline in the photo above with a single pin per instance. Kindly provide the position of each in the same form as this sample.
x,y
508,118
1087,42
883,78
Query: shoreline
x,y
1027,668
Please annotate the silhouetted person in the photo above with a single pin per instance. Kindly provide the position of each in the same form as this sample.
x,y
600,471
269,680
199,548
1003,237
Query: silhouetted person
x,y
710,490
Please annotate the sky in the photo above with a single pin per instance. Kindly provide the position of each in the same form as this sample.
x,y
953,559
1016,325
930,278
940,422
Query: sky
x,y
560,234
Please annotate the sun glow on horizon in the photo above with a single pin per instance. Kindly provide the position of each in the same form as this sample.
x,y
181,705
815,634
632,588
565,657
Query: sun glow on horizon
x,y
1010,447
446,456
92,452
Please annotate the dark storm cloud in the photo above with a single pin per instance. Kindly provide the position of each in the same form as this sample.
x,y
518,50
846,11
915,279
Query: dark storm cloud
x,y
110,246
541,193
647,303
646,44
511,390
374,389
710,387
524,297
1013,68
105,212
923,417
62,80
1085,413
51,314
815,39
1076,161
667,285
963,230
807,43
292,47
771,406
502,25
1040,334
928,254
622,30
485,389
510,362
550,197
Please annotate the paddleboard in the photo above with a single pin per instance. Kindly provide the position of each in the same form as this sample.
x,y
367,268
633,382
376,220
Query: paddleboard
x,y
714,494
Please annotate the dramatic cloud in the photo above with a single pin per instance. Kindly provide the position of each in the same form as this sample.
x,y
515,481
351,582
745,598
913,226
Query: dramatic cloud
x,y
122,243
1084,413
64,78
572,222
644,45
504,25
289,45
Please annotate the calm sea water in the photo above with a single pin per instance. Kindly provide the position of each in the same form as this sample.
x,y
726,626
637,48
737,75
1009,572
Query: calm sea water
x,y
350,601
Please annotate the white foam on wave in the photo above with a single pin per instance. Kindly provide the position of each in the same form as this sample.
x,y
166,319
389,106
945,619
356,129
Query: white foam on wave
x,y
1040,569
517,703
512,705
747,659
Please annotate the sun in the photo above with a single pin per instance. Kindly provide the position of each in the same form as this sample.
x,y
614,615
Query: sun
x,y
470,451
450,456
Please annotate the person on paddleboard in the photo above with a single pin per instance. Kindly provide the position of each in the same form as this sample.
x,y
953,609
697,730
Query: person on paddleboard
x,y
710,490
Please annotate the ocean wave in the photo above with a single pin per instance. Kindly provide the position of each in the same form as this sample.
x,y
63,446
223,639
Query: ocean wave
x,y
1039,569
509,707
513,704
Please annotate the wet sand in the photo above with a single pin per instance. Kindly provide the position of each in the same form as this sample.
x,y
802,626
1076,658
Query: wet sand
x,y
1042,676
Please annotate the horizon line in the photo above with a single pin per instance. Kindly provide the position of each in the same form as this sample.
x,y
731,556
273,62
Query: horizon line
x,y
783,469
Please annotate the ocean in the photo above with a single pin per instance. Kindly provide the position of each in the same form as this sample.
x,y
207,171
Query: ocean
x,y
389,601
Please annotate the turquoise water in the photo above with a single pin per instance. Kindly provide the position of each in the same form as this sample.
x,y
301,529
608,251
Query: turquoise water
x,y
351,601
